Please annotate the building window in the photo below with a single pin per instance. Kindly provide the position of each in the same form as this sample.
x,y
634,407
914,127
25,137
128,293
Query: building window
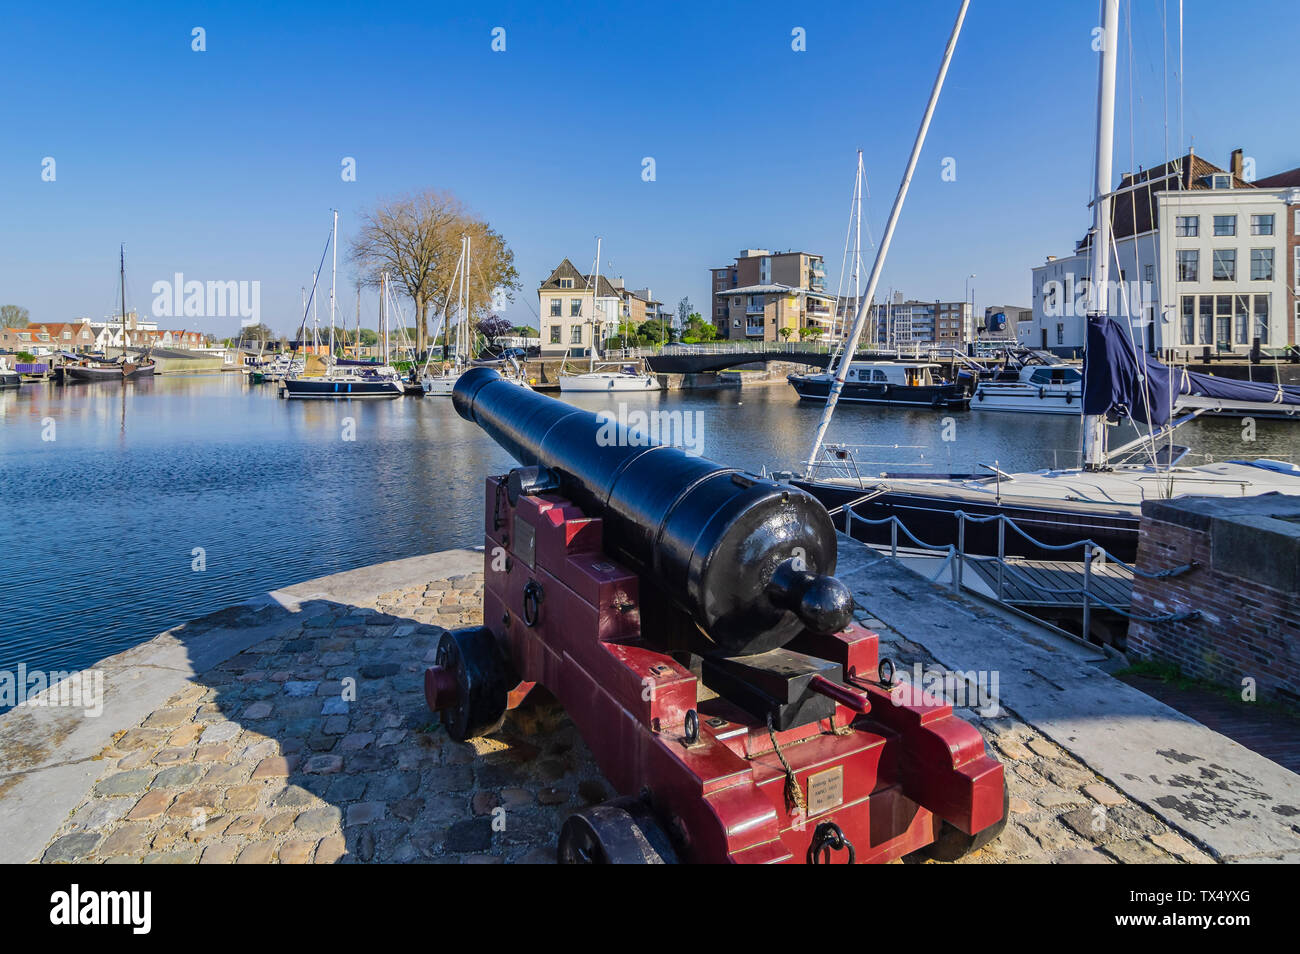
x,y
575,334
1261,225
1060,333
1223,321
1261,264
1225,225
566,282
1243,319
1261,318
555,334
1225,264
1187,226
555,308
1207,319
1189,264
1148,273
1189,319
575,307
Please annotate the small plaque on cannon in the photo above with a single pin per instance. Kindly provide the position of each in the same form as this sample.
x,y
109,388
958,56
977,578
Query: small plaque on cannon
x,y
525,541
825,790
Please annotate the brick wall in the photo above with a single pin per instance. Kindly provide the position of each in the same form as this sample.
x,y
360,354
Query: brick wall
x,y
1246,588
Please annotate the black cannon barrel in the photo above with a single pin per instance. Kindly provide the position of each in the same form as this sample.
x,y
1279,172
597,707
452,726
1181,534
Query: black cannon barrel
x,y
748,559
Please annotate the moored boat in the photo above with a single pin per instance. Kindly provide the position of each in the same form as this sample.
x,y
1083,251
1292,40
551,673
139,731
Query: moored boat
x,y
912,384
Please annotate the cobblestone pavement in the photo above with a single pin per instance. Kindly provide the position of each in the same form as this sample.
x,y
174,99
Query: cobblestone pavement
x,y
317,747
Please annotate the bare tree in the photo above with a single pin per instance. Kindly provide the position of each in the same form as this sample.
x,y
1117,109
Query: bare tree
x,y
416,239
14,316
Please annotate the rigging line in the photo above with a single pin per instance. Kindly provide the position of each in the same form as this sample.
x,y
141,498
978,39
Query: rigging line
x,y
315,279
844,259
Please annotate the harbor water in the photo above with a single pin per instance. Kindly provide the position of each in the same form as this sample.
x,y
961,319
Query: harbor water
x,y
130,509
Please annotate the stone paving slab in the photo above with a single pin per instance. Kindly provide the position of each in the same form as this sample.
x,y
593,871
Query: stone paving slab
x,y
309,742
1180,775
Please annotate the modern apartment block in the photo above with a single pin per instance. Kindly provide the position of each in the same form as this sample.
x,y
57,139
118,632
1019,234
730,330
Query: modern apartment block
x,y
1202,263
904,322
763,292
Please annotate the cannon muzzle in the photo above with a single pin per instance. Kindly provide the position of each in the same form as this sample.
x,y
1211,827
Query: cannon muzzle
x,y
748,559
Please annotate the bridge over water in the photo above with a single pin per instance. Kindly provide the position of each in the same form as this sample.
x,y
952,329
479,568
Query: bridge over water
x,y
700,359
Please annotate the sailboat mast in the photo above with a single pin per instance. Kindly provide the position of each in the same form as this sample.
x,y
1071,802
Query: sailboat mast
x,y
1094,426
383,316
122,279
334,275
595,310
851,346
857,241
466,334
315,319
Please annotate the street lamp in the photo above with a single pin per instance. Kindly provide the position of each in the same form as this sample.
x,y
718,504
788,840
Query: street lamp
x,y
970,296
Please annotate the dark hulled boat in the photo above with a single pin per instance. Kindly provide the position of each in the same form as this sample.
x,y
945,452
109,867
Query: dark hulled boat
x,y
885,382
90,368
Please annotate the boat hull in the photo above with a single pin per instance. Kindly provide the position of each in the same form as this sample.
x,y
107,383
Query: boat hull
x,y
324,389
116,372
937,396
1026,399
605,383
10,379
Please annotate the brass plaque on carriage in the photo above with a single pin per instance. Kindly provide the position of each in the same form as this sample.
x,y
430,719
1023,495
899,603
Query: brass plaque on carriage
x,y
525,542
825,790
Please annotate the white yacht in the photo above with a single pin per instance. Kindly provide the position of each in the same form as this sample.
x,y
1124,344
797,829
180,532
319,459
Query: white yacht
x,y
1040,385
626,378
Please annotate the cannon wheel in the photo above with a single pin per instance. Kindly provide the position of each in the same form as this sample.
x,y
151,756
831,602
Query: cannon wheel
x,y
951,843
482,682
622,831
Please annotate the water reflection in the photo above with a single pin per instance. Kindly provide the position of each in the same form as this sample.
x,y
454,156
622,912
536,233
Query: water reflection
x,y
101,523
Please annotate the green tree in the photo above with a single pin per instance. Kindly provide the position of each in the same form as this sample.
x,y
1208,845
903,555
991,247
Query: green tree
x,y
785,333
14,316
812,333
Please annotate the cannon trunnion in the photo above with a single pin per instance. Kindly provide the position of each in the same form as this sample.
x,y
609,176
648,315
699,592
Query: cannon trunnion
x,y
714,672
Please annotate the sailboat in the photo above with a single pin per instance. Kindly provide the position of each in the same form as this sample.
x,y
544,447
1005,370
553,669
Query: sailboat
x,y
443,383
624,378
116,369
333,380
1101,500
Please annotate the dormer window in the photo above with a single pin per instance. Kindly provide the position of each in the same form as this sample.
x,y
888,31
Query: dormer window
x,y
566,282
1219,180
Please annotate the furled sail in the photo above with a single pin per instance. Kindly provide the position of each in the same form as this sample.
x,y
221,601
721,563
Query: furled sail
x,y
1119,381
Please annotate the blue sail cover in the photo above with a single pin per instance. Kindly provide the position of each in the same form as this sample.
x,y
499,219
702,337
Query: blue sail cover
x,y
1119,381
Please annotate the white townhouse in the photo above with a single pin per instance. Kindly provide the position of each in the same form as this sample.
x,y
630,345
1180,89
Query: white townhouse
x,y
1202,263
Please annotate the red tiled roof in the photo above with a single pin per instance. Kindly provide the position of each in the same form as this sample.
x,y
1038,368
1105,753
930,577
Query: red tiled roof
x,y
1283,180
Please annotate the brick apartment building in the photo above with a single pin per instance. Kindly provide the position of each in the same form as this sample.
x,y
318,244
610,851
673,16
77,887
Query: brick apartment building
x,y
763,292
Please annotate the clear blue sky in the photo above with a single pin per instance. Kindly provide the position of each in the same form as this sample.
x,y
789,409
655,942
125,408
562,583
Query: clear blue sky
x,y
223,164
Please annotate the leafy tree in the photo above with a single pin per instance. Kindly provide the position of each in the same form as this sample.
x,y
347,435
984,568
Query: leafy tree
x,y
684,311
14,316
812,333
785,333
493,327
523,331
653,331
256,333
416,238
